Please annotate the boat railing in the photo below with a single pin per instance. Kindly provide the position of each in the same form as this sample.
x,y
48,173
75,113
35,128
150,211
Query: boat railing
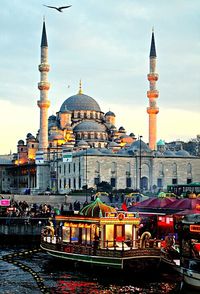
x,y
131,244
119,248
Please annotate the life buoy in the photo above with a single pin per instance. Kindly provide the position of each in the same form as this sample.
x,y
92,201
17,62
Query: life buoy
x,y
67,249
144,236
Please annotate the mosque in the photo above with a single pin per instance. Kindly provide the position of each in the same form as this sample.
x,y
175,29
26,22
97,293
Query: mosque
x,y
81,146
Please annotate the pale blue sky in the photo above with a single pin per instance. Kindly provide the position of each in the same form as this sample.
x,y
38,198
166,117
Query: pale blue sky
x,y
106,44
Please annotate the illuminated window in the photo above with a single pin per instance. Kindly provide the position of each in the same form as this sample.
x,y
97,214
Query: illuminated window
x,y
86,236
66,234
109,236
74,234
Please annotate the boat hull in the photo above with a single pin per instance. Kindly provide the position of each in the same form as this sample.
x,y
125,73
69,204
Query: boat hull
x,y
191,278
135,260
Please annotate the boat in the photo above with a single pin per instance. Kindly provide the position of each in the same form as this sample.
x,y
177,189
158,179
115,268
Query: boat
x,y
186,258
100,235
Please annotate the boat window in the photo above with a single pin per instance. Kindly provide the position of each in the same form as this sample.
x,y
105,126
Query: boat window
x,y
85,236
74,234
66,234
128,232
109,235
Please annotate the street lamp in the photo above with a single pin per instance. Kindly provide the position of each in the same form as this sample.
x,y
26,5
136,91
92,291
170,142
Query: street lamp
x,y
86,176
140,164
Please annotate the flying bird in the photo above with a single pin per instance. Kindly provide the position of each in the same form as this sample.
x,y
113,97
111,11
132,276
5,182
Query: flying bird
x,y
58,8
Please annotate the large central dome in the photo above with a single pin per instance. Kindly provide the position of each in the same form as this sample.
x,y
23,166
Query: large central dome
x,y
80,102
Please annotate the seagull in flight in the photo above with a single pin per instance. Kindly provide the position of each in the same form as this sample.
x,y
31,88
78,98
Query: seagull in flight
x,y
58,8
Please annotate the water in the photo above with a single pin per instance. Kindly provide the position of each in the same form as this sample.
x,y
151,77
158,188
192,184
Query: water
x,y
40,273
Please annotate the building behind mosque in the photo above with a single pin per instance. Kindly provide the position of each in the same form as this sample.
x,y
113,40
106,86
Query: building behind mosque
x,y
81,147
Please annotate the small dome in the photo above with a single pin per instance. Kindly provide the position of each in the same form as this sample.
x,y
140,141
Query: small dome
x,y
79,102
182,153
29,137
20,142
110,113
112,127
161,143
121,129
132,135
96,209
169,153
52,117
90,126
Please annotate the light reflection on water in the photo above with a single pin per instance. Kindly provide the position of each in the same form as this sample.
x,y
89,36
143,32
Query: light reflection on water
x,y
65,278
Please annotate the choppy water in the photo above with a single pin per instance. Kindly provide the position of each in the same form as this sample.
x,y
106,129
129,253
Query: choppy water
x,y
40,273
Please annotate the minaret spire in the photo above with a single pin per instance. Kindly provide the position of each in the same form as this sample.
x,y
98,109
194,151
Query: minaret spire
x,y
152,94
80,87
43,86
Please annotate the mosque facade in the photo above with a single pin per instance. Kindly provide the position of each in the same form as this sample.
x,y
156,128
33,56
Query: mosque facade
x,y
97,150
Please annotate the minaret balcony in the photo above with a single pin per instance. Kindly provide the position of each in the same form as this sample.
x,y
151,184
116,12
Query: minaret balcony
x,y
153,110
152,94
43,86
152,77
44,67
43,104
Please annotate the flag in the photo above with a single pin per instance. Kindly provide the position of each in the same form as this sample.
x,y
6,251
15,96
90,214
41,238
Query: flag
x,y
124,207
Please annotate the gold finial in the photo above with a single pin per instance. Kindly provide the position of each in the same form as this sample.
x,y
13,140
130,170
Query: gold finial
x,y
80,87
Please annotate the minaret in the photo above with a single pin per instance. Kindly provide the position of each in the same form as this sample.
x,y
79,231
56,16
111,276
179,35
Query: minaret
x,y
43,86
152,94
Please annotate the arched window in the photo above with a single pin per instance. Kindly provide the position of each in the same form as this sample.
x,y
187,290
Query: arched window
x,y
189,168
128,167
174,168
97,168
160,167
113,167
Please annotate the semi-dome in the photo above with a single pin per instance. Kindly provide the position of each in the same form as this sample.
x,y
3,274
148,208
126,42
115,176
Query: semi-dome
x,y
96,209
90,126
106,151
79,102
139,145
93,151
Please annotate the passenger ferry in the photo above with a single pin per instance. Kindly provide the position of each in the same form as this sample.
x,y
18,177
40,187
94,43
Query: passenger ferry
x,y
102,236
186,257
